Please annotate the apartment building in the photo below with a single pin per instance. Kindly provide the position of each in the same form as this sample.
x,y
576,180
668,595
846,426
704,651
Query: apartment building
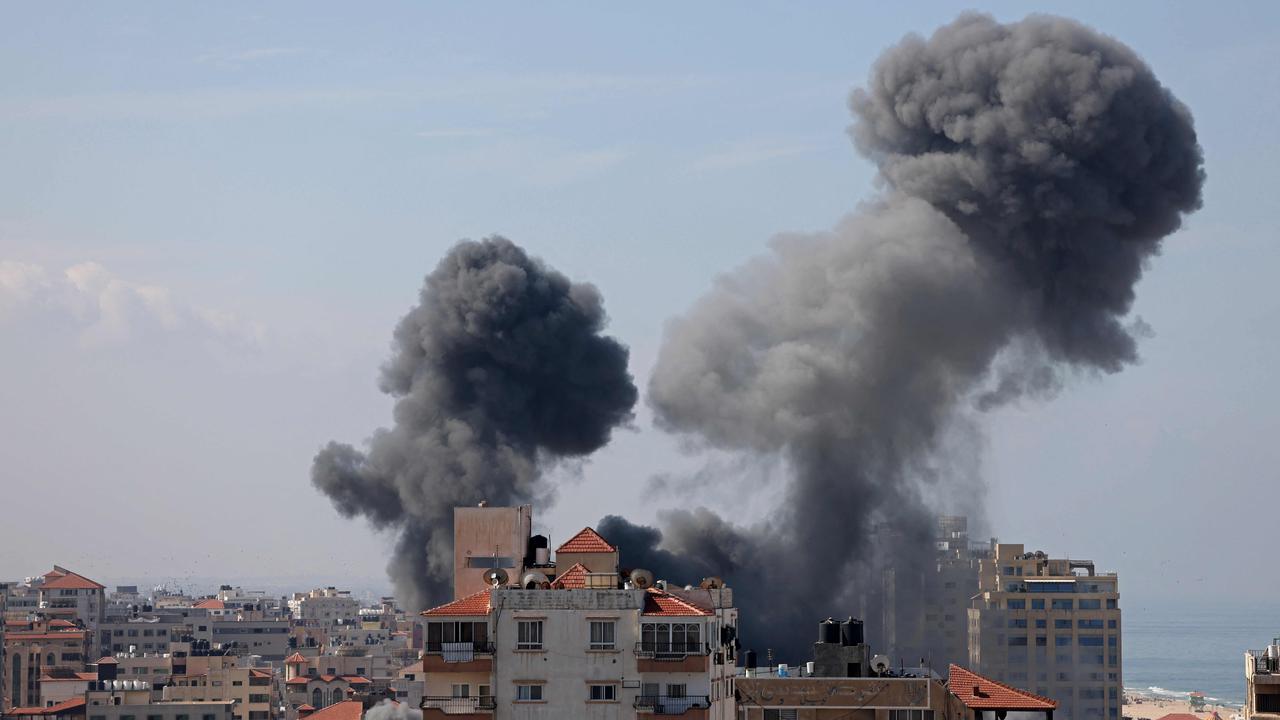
x,y
305,689
35,649
1051,624
1262,682
577,637
925,609
73,597
206,710
266,638
145,634
251,689
325,607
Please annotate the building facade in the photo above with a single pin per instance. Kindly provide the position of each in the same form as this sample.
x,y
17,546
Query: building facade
x,y
1052,625
1262,682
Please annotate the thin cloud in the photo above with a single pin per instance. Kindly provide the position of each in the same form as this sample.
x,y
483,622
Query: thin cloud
x,y
753,152
252,55
455,133
106,308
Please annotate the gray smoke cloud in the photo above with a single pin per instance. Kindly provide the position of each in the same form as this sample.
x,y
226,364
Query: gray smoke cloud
x,y
389,710
1030,170
501,369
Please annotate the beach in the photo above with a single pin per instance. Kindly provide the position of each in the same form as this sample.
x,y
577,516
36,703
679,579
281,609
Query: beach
x,y
1150,706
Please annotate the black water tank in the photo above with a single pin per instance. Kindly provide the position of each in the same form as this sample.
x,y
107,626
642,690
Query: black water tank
x,y
751,659
829,632
851,632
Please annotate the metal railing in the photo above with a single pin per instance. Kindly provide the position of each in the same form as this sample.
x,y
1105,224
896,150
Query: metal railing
x,y
459,705
479,648
669,705
669,650
1263,664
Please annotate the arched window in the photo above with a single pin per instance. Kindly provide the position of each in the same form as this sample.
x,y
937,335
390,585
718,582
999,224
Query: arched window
x,y
317,698
51,660
336,696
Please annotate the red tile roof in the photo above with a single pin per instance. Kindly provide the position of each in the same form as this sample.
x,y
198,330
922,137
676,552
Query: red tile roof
x,y
60,708
475,604
305,707
210,604
345,710
357,680
70,581
657,602
61,624
300,680
260,673
74,677
294,658
587,541
574,577
982,693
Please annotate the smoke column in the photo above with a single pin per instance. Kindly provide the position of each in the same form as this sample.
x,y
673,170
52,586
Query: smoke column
x,y
1029,171
499,370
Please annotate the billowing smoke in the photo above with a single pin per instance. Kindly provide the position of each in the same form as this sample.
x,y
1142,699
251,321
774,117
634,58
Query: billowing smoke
x,y
500,369
1030,171
390,710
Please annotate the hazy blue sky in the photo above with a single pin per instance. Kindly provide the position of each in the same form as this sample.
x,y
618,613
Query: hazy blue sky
x,y
212,216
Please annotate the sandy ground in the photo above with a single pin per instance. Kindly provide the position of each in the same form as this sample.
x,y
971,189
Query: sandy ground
x,y
1147,707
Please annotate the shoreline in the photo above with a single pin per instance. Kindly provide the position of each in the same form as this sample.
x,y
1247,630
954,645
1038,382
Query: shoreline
x,y
1150,704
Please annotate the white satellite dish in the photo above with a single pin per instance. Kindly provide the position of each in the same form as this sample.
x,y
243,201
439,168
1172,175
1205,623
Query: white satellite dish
x,y
880,664
495,577
641,579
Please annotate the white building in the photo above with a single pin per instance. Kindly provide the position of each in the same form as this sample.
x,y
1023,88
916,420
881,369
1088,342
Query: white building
x,y
326,607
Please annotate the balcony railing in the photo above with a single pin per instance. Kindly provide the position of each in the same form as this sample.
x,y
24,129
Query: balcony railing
x,y
669,650
1263,664
459,705
667,705
478,648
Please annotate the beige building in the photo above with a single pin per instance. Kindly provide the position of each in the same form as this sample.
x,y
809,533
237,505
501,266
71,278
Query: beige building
x,y
1262,680
575,637
324,607
206,710
252,690
35,650
1052,625
69,596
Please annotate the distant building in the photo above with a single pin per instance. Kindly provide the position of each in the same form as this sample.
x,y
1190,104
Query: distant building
x,y
1051,624
573,637
1262,681
73,597
34,650
325,607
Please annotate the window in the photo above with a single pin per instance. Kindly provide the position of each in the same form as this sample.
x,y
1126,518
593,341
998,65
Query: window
x,y
910,715
462,690
208,716
483,690
1090,641
1041,641
671,638
529,692
155,717
1017,622
529,636
1017,604
1037,603
1018,640
1111,604
1062,640
1111,624
604,693
1061,604
602,635
1042,623
676,690
1091,624
454,632
1062,624
1087,604
785,714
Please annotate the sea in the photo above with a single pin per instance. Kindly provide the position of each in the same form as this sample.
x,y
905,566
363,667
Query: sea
x,y
1174,649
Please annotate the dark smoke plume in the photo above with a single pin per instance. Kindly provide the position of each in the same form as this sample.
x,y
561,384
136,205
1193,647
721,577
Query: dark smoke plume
x,y
1031,170
499,369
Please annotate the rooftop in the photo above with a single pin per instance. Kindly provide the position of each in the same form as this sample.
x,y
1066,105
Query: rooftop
x,y
474,604
982,693
657,602
586,541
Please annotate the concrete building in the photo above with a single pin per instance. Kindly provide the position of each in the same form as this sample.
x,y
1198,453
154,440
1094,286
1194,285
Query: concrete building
x,y
485,538
1262,682
69,596
574,639
252,690
206,710
924,615
145,634
266,638
31,652
1051,624
325,607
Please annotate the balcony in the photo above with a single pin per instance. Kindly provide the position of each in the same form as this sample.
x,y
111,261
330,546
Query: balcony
x,y
691,706
458,707
458,657
671,657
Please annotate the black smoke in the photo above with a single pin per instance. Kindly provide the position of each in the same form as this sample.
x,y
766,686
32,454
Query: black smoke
x,y
1030,171
500,369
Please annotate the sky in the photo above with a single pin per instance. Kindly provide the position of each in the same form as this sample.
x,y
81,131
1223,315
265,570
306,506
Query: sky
x,y
211,218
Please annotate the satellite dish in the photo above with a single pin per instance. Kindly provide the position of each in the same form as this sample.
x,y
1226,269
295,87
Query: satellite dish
x,y
880,664
533,580
711,583
495,577
641,579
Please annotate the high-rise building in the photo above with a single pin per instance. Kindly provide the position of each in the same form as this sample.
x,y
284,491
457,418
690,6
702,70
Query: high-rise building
x,y
925,609
1052,625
